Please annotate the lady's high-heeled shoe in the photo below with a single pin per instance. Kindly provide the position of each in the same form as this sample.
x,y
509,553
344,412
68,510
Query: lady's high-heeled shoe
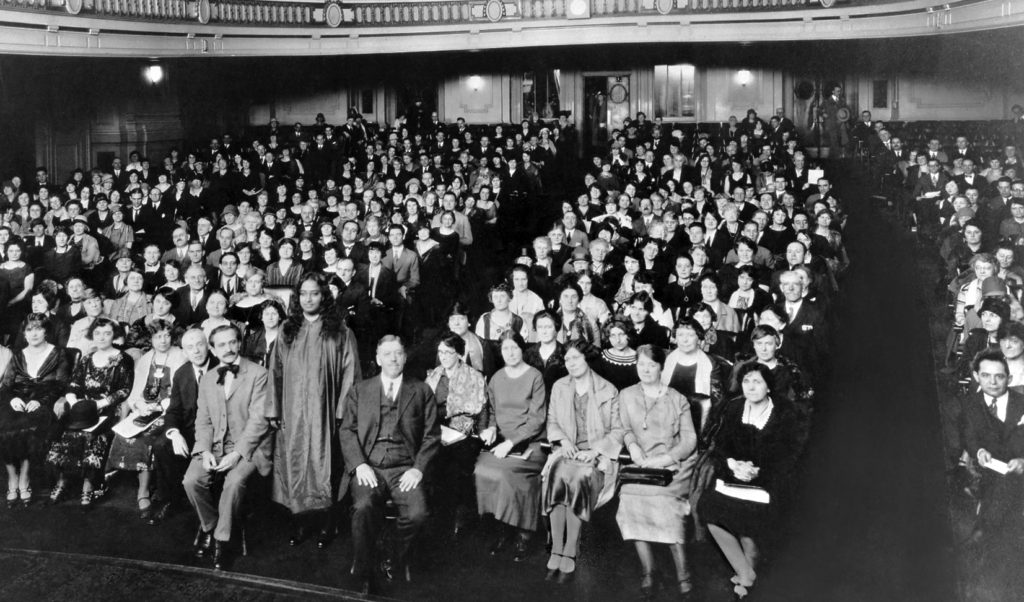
x,y
521,548
298,536
685,590
554,562
567,569
324,538
26,497
568,564
12,498
742,592
58,493
648,585
145,509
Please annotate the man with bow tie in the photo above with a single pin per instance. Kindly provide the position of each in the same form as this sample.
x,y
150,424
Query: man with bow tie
x,y
231,440
993,422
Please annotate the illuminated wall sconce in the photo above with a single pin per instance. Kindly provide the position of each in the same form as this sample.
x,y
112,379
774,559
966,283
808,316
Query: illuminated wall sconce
x,y
744,77
475,82
154,74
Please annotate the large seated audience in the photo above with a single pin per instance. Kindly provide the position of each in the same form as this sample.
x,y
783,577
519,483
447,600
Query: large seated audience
x,y
963,195
435,322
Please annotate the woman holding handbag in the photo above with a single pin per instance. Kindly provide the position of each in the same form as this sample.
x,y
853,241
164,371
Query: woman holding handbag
x,y
658,433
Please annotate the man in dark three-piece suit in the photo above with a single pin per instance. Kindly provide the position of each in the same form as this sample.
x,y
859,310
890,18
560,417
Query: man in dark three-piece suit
x,y
389,434
172,451
232,439
805,337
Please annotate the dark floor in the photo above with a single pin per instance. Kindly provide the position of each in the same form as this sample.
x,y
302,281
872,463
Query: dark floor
x,y
871,523
37,575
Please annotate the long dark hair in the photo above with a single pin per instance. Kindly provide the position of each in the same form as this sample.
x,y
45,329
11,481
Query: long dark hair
x,y
333,326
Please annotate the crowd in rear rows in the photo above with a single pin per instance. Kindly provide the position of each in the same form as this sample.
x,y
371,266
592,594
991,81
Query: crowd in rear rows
x,y
967,206
650,324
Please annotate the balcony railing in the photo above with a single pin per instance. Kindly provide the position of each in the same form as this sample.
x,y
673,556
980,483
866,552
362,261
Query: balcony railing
x,y
368,13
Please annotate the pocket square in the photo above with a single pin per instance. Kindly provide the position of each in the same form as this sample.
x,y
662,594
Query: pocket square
x,y
807,327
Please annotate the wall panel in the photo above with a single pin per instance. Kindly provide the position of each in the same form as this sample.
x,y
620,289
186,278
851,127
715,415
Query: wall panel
x,y
950,96
734,90
478,98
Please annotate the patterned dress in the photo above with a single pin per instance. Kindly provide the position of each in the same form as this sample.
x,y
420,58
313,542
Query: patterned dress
x,y
137,453
86,452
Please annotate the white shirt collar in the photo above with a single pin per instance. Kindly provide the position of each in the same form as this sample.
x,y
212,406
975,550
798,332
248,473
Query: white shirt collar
x,y
386,383
1001,403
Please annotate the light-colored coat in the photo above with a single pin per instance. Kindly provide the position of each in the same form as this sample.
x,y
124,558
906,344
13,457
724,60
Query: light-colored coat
x,y
243,413
604,425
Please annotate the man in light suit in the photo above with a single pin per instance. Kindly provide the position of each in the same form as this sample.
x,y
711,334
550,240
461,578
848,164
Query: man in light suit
x,y
172,451
389,434
405,264
179,252
993,419
232,439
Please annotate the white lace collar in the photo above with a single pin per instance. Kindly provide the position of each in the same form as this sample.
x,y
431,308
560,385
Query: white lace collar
x,y
760,419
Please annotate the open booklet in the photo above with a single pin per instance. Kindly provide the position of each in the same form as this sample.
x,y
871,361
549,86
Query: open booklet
x,y
997,466
128,428
742,492
450,436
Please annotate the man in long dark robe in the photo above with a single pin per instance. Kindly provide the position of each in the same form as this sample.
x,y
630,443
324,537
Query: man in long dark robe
x,y
314,365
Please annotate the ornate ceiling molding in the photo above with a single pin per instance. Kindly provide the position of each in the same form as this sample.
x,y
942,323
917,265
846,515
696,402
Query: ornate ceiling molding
x,y
269,27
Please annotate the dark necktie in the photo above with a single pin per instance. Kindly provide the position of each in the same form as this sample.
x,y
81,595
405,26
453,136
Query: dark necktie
x,y
391,392
993,408
222,372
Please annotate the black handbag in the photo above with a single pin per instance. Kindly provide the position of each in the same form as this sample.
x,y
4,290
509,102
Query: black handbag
x,y
659,477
